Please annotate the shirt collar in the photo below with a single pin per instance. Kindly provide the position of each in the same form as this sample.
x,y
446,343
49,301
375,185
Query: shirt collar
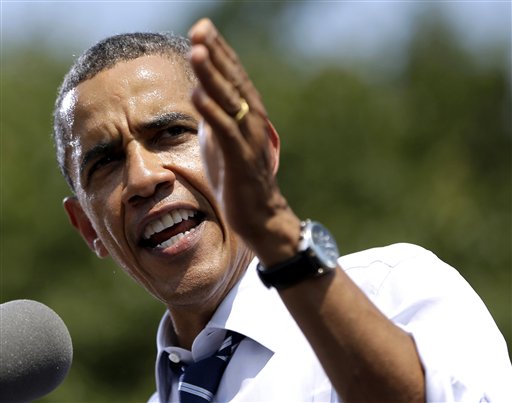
x,y
249,308
252,309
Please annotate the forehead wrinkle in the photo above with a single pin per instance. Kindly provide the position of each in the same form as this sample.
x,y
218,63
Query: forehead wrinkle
x,y
131,85
97,111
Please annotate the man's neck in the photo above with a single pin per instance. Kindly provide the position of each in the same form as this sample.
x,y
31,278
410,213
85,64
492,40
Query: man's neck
x,y
189,320
188,325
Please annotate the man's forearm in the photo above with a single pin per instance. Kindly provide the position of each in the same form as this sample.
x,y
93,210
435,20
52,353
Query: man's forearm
x,y
366,356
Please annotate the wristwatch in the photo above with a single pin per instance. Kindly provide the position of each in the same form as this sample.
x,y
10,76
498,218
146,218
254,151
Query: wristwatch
x,y
317,255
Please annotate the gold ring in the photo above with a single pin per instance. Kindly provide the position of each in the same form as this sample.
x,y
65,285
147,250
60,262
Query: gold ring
x,y
244,108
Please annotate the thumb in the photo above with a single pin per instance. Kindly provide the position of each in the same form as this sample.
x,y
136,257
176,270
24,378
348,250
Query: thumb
x,y
212,157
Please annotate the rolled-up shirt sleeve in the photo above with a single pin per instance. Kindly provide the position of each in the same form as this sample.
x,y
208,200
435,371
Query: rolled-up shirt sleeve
x,y
463,353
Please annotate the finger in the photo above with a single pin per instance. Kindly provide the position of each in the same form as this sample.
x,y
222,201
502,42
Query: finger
x,y
212,157
216,66
205,32
217,87
223,56
228,98
226,61
224,126
238,150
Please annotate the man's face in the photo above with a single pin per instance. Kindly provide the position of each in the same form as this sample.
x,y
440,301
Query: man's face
x,y
141,189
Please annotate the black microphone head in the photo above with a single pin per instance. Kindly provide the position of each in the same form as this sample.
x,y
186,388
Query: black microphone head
x,y
35,350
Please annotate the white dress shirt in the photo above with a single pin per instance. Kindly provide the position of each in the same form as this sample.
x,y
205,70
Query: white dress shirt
x,y
463,353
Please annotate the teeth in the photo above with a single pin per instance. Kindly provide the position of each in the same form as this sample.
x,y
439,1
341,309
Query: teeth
x,y
176,217
148,231
171,241
158,226
167,221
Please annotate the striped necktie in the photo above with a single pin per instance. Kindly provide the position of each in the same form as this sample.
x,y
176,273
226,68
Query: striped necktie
x,y
200,380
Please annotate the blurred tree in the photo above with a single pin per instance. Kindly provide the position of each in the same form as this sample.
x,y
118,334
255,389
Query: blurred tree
x,y
421,157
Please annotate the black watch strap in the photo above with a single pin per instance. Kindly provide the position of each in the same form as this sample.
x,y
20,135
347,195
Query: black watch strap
x,y
290,272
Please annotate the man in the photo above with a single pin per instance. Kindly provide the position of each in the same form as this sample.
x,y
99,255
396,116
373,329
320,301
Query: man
x,y
180,190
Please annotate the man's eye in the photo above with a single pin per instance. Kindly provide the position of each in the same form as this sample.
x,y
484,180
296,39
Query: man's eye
x,y
174,132
103,162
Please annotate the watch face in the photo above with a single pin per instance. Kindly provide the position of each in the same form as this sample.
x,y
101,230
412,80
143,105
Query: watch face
x,y
324,245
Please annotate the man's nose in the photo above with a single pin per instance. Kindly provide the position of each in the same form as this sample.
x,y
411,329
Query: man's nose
x,y
144,173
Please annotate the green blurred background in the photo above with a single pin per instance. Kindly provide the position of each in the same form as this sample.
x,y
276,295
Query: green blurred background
x,y
412,143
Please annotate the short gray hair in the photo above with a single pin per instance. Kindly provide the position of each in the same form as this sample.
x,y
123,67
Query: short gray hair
x,y
103,56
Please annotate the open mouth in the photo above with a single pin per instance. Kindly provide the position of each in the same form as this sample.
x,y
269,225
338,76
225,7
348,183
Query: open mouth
x,y
170,228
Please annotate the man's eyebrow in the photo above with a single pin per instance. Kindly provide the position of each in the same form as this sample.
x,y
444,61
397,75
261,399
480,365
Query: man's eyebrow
x,y
166,119
96,151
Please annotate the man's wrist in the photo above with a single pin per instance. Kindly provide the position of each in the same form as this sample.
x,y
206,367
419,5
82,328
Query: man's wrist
x,y
281,240
316,255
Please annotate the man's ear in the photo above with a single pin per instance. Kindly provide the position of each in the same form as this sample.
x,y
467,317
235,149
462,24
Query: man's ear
x,y
81,222
275,143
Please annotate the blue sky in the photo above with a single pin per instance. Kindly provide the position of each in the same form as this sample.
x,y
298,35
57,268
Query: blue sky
x,y
360,29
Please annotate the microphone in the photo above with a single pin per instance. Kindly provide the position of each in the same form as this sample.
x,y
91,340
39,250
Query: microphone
x,y
35,350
